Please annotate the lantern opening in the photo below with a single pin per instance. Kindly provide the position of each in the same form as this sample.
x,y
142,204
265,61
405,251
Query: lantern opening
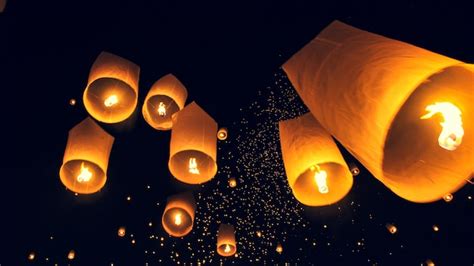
x,y
226,250
320,177
161,109
177,221
196,171
452,130
85,175
158,111
111,100
77,176
193,166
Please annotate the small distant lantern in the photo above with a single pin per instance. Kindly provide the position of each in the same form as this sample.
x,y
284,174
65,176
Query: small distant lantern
x,y
166,97
355,171
279,248
121,231
71,255
111,94
316,171
435,228
391,228
232,182
226,245
193,146
429,262
3,3
72,102
259,233
31,256
222,133
86,158
178,217
448,197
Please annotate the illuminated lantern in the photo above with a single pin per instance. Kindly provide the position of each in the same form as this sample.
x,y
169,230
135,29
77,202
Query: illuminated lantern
x,y
72,102
71,255
3,3
86,158
166,97
259,233
315,168
405,113
193,145
178,217
222,133
112,90
435,228
391,228
232,182
121,231
429,263
31,256
448,197
226,245
355,171
279,248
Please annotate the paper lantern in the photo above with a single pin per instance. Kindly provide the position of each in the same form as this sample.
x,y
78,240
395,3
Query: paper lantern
x,y
391,228
166,97
178,217
222,133
71,255
448,197
121,231
405,113
193,145
355,171
226,245
435,228
279,248
3,3
429,262
31,256
316,171
232,182
112,90
86,158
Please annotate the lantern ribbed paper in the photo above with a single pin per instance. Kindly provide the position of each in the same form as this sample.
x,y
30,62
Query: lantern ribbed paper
x,y
86,158
308,149
370,93
178,217
112,90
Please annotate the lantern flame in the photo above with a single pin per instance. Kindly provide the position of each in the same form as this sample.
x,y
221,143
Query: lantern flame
x,y
162,109
452,130
177,219
193,167
85,175
111,100
227,248
320,177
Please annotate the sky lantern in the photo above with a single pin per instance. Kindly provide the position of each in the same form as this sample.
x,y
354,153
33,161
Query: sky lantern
x,y
232,182
355,171
112,89
71,255
31,256
166,97
3,3
222,133
391,228
315,168
178,217
404,112
121,231
86,158
226,245
448,197
193,145
279,248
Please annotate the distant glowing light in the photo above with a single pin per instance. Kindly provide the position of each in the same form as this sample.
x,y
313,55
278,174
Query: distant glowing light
x,y
435,228
193,166
448,197
85,175
320,177
31,256
177,219
71,255
121,231
452,130
162,109
111,100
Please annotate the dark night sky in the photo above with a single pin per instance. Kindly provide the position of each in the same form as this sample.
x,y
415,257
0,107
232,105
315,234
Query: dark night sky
x,y
228,56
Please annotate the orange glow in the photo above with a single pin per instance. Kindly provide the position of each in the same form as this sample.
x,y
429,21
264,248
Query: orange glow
x,y
85,175
177,219
452,130
71,255
121,231
193,167
320,177
227,248
222,134
31,256
448,197
435,228
279,248
391,228
161,109
111,100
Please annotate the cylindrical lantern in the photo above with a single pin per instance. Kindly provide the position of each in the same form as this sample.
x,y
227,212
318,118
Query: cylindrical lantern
x,y
232,182
405,113
226,245
279,248
178,217
315,168
391,228
112,90
166,97
355,171
193,145
86,158
222,133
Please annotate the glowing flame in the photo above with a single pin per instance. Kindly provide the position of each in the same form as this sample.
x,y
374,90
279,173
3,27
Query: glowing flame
x,y
111,100
193,166
177,219
227,248
452,130
85,175
320,176
162,109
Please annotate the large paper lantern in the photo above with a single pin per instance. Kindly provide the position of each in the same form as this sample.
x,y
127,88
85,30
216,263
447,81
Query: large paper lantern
x,y
178,217
315,168
166,97
193,145
112,90
405,113
86,158
226,245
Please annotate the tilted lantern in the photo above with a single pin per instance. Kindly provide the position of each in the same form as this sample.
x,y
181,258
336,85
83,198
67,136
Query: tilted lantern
x,y
226,245
391,228
315,168
404,112
178,217
166,97
193,145
112,90
86,158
